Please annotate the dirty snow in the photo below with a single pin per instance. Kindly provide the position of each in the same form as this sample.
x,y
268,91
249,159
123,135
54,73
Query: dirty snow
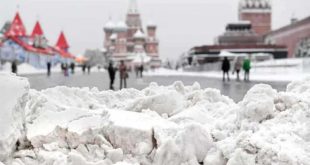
x,y
160,125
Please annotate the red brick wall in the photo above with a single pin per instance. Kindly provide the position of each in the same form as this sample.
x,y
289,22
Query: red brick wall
x,y
261,22
290,37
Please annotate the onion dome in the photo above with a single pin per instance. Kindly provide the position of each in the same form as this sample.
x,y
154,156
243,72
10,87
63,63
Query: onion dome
x,y
121,27
109,26
139,35
151,24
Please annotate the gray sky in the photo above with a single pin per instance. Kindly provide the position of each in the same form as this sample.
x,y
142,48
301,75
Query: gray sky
x,y
181,23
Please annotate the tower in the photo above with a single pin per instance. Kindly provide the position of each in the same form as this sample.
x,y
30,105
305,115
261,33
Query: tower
x,y
17,28
121,40
133,19
152,42
62,43
108,30
258,12
37,35
139,40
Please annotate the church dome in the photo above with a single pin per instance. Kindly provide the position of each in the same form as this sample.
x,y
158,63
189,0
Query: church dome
x,y
109,25
255,4
121,26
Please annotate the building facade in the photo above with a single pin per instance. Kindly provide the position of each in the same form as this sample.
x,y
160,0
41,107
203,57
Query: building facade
x,y
18,46
129,41
294,36
246,36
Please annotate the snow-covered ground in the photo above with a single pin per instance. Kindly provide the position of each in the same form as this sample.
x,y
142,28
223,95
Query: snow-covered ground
x,y
274,70
160,125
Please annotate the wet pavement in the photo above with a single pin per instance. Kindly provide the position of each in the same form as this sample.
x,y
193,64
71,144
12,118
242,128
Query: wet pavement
x,y
234,89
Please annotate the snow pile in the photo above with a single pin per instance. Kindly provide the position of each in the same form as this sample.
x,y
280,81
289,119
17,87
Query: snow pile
x,y
272,128
159,125
13,97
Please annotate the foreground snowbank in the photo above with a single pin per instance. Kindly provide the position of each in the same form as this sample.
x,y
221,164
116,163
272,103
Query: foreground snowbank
x,y
159,125
13,97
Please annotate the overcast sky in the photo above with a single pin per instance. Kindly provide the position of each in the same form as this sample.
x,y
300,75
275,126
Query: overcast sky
x,y
182,24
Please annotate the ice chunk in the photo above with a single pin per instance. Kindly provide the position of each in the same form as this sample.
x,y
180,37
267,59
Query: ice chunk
x,y
180,144
131,131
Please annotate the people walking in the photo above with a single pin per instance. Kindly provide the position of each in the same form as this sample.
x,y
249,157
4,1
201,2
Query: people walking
x,y
237,68
123,75
111,71
247,68
226,68
14,67
49,65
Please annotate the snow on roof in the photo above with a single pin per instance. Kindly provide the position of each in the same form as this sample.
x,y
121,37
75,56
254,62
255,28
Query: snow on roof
x,y
139,35
121,26
113,36
151,24
141,58
110,25
255,4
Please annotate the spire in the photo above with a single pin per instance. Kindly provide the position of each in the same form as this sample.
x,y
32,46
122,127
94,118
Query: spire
x,y
37,31
133,7
17,27
62,41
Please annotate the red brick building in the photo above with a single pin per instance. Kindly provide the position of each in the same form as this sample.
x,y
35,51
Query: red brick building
x,y
291,35
258,12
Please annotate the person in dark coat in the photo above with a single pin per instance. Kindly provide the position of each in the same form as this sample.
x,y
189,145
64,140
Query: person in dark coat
x,y
88,68
123,75
226,68
141,70
14,67
72,67
49,65
84,68
111,71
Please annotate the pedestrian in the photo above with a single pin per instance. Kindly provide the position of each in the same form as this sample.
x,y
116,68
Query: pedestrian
x,y
111,71
141,70
84,68
123,75
237,68
49,65
72,66
226,68
88,69
137,71
62,67
66,68
14,67
247,68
